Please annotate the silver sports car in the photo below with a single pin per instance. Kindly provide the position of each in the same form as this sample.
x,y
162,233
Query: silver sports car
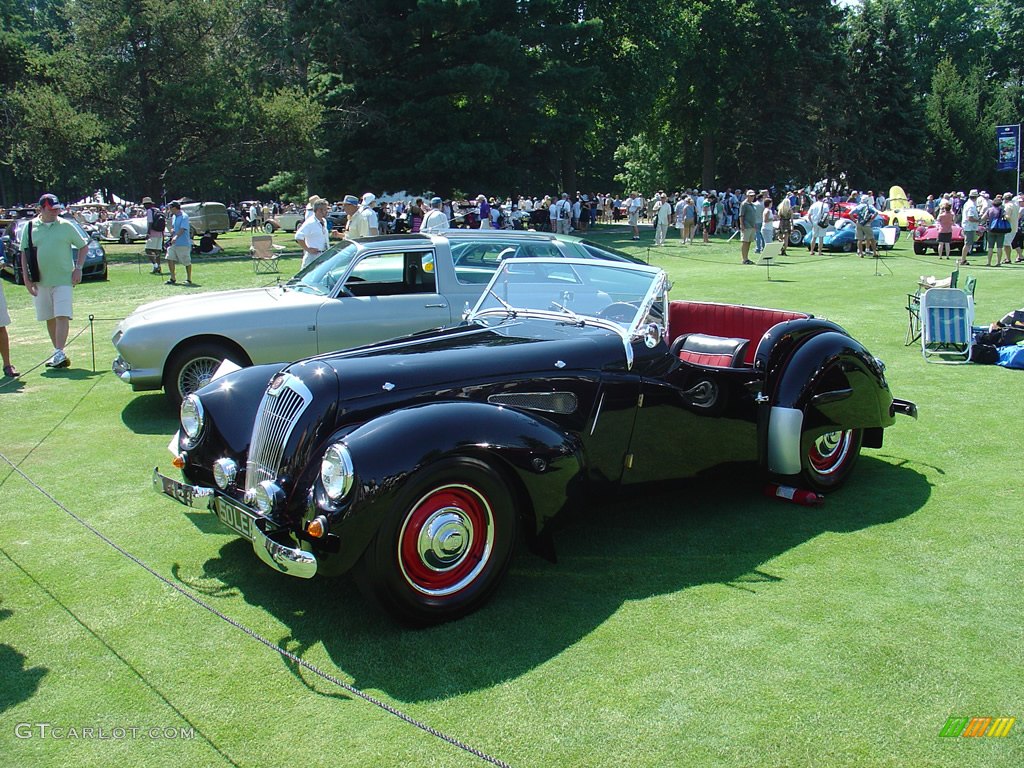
x,y
355,293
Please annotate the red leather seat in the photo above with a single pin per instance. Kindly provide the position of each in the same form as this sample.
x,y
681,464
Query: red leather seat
x,y
731,321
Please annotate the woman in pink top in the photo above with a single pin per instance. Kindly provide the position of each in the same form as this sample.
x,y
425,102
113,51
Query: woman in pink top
x,y
945,224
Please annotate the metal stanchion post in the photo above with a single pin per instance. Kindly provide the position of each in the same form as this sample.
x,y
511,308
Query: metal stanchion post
x,y
92,340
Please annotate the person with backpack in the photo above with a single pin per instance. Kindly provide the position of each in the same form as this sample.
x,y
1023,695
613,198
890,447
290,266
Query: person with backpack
x,y
156,223
818,216
998,226
53,251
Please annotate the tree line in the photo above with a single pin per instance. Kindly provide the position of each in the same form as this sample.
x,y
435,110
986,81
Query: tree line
x,y
235,99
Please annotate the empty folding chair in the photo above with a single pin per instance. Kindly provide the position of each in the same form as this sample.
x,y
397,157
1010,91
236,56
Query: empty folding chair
x,y
264,257
946,317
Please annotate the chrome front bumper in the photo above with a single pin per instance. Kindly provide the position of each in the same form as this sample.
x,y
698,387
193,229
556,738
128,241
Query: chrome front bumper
x,y
242,520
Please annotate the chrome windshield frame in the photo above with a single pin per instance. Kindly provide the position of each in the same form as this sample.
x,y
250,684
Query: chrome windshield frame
x,y
628,334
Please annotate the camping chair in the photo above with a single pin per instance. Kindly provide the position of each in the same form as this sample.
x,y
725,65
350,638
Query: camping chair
x,y
946,317
914,301
264,257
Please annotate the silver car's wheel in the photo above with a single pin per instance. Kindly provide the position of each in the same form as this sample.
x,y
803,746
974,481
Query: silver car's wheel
x,y
269,227
192,368
125,237
796,237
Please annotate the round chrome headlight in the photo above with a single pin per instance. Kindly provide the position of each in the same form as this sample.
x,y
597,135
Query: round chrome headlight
x,y
266,496
224,472
192,416
336,472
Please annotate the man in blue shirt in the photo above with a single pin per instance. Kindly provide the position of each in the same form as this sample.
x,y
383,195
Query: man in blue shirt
x,y
180,249
864,214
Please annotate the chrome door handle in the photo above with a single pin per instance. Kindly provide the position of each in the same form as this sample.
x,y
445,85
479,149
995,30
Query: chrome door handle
x,y
442,306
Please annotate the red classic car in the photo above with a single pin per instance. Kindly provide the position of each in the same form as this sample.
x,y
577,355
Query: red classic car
x,y
927,237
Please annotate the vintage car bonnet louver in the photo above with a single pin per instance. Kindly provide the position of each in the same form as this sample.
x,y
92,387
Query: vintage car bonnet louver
x,y
549,402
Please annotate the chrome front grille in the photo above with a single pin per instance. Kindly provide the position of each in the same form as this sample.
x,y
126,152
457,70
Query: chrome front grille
x,y
285,400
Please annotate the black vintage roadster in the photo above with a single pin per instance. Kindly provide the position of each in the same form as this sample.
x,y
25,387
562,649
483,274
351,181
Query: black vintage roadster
x,y
418,462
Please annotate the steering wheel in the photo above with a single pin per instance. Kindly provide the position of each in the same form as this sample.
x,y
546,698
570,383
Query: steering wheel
x,y
619,311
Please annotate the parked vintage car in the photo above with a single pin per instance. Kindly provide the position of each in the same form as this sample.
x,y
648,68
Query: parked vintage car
x,y
124,230
927,238
900,212
418,462
95,267
354,293
206,217
289,222
842,236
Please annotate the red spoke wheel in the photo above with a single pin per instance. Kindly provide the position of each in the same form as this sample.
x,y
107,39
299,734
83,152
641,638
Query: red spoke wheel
x,y
446,540
444,545
829,458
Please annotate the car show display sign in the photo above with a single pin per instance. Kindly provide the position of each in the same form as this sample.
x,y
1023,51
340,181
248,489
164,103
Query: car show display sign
x,y
1008,149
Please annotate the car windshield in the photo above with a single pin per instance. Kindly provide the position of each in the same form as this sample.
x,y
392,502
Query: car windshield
x,y
322,274
581,292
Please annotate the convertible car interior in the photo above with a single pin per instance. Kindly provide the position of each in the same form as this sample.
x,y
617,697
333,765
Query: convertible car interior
x,y
720,335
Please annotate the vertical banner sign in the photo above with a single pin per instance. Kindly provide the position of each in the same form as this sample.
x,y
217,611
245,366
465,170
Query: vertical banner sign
x,y
1007,147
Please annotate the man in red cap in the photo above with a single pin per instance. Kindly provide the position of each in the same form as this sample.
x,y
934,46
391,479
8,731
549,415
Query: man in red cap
x,y
60,252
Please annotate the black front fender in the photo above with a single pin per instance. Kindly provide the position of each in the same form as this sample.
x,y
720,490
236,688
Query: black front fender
x,y
230,404
540,462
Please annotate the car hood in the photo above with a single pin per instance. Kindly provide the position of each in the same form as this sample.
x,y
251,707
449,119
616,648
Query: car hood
x,y
193,306
473,355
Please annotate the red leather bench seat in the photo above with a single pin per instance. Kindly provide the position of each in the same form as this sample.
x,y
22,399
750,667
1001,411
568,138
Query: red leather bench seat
x,y
731,321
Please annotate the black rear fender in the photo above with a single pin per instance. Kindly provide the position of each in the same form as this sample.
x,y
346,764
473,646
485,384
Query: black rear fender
x,y
827,381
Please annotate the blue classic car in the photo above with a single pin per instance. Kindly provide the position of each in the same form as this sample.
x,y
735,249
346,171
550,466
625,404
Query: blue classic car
x,y
842,236
418,462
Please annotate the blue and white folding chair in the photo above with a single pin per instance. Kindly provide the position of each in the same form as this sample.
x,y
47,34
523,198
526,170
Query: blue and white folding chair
x,y
946,317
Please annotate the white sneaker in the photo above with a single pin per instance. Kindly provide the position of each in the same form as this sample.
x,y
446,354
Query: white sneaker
x,y
58,360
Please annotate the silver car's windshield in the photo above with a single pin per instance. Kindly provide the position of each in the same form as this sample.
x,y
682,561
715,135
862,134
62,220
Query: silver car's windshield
x,y
321,275
573,291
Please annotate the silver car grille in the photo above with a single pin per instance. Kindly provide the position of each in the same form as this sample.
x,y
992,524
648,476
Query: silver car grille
x,y
285,400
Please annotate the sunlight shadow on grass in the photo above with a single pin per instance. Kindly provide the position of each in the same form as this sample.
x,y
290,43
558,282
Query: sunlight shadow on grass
x,y
150,414
18,683
717,530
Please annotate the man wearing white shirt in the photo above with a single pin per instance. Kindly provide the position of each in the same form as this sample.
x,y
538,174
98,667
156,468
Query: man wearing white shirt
x,y
818,210
312,235
633,208
366,210
971,219
434,220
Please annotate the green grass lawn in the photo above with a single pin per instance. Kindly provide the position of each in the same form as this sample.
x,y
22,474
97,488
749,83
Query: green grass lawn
x,y
703,625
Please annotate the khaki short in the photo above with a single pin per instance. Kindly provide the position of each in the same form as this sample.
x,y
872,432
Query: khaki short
x,y
155,243
53,301
182,254
5,316
864,232
748,235
634,217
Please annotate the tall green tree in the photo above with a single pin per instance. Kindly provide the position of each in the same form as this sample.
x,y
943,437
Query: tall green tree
x,y
886,141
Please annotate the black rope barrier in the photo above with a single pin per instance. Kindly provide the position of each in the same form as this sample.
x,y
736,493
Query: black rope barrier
x,y
188,594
